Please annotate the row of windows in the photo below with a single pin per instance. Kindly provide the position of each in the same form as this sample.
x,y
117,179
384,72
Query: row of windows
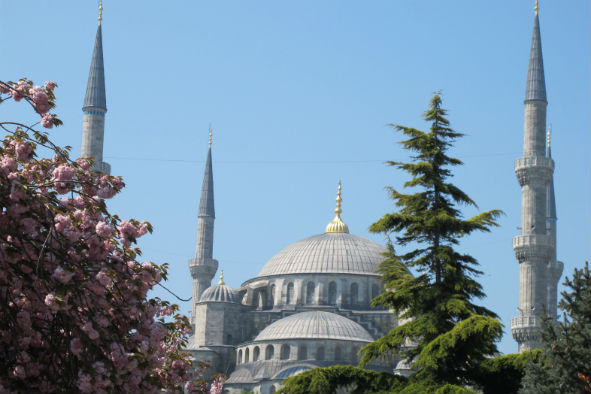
x,y
285,353
310,290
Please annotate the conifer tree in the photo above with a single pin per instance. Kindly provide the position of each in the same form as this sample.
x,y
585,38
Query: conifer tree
x,y
565,366
443,333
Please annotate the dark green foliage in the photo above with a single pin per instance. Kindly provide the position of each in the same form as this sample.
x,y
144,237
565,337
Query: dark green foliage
x,y
503,374
326,381
452,334
565,365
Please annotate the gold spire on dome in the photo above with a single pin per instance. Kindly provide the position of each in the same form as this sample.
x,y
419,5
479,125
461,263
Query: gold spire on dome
x,y
536,8
100,18
210,135
337,225
221,282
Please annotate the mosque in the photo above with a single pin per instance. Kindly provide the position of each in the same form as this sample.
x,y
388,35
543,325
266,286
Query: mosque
x,y
309,305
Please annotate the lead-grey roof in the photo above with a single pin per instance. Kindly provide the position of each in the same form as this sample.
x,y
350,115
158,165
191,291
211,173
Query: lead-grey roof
x,y
219,293
314,325
536,84
206,206
95,89
326,253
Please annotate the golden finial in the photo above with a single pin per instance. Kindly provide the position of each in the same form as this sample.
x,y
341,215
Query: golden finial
x,y
337,225
210,135
548,135
536,8
221,282
100,18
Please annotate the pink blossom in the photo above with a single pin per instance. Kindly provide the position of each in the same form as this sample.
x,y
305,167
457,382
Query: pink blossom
x,y
23,150
76,346
90,331
103,229
40,99
103,278
4,88
217,386
7,164
52,302
62,275
50,85
47,120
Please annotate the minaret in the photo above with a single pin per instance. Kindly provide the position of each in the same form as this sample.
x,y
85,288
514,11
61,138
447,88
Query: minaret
x,y
555,267
203,267
535,247
95,105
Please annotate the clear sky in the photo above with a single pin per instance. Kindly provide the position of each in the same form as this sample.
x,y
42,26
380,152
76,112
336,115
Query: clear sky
x,y
299,94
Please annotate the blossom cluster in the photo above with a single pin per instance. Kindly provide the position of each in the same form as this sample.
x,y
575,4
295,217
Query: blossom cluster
x,y
74,309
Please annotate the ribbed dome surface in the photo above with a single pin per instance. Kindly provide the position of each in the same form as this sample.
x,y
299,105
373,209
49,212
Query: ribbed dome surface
x,y
219,293
314,325
327,253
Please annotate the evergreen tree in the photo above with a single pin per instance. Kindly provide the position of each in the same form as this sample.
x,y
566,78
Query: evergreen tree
x,y
565,366
442,332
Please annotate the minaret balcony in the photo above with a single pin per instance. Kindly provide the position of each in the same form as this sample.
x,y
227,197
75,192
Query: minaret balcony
x,y
533,247
525,329
534,169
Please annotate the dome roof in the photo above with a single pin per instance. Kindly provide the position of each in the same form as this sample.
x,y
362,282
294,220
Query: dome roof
x,y
327,253
314,325
219,293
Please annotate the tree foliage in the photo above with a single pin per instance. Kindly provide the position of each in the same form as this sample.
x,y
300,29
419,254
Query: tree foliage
x,y
565,365
442,332
74,311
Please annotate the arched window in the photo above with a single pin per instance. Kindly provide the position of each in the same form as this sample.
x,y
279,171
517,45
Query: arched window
x,y
272,389
272,296
239,361
256,353
269,352
228,339
310,293
375,291
284,355
246,355
332,293
320,353
338,353
302,352
354,293
290,294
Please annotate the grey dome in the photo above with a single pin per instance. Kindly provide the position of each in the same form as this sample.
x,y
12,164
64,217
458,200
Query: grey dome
x,y
314,325
219,293
327,253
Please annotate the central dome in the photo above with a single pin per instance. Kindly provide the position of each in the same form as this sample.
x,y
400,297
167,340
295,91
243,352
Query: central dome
x,y
315,325
327,253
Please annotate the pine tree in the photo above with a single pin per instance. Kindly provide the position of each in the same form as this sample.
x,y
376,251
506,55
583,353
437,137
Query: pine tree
x,y
565,366
443,333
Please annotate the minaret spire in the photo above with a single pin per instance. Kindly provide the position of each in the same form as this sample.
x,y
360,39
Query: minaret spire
x,y
95,105
535,248
203,267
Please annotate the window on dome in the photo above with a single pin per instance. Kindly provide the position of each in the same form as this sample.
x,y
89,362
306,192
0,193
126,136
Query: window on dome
x,y
302,352
354,294
272,296
255,353
239,361
246,355
320,353
375,291
269,352
310,293
284,355
332,293
290,294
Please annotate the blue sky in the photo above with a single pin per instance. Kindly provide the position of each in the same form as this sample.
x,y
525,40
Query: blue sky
x,y
299,94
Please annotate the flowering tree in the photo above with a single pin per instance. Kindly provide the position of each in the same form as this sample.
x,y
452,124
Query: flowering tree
x,y
74,312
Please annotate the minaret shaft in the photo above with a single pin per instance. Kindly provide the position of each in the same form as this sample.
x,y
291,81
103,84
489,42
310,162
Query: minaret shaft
x,y
535,248
203,267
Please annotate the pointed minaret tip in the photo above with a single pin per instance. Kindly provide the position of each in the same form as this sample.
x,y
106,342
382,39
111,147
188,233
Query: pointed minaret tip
x,y
100,17
536,85
337,225
210,135
536,8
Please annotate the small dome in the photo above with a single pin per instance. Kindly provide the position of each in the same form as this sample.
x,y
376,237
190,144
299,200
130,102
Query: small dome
x,y
327,253
219,293
314,325
292,371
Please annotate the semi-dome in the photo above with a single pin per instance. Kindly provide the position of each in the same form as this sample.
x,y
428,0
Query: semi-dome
x,y
219,293
314,325
327,253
